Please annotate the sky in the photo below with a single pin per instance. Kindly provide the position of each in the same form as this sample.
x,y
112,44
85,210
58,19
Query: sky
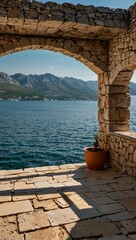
x,y
42,61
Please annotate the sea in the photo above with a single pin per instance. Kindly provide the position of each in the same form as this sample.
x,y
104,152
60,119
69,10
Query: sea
x,y
45,133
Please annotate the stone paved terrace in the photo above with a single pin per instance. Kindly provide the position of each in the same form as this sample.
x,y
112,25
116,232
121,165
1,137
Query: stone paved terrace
x,y
67,202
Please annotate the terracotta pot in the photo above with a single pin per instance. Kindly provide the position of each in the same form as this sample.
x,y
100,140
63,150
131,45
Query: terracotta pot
x,y
95,160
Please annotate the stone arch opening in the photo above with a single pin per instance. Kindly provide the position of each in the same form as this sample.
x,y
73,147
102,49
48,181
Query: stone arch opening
x,y
88,130
91,53
119,100
101,38
51,62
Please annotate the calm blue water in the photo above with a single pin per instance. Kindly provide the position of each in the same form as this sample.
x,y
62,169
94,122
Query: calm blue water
x,y
47,133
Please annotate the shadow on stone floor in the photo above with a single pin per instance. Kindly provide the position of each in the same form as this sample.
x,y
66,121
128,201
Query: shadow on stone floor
x,y
84,204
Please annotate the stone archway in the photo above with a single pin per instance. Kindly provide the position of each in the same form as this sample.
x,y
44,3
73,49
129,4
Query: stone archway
x,y
103,39
85,51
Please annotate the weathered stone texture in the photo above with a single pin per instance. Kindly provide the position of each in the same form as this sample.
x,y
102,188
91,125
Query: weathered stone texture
x,y
65,20
123,151
91,227
130,225
106,210
56,233
11,208
122,53
32,221
65,216
9,230
84,51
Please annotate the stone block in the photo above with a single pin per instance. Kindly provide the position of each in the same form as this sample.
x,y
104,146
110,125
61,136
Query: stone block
x,y
111,208
46,204
65,216
130,225
11,208
25,42
134,157
122,161
5,198
55,233
61,203
8,48
32,221
8,229
131,148
47,194
103,200
123,101
119,216
129,203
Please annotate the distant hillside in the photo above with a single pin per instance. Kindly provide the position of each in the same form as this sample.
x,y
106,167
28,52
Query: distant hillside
x,y
10,88
48,86
44,86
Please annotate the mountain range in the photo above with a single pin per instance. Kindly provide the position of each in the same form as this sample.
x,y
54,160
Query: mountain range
x,y
48,86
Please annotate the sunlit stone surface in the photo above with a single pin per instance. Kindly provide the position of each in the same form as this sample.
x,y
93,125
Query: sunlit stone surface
x,y
70,207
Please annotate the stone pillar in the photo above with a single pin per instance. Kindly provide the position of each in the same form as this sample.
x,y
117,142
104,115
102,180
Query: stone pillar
x,y
119,108
103,111
114,108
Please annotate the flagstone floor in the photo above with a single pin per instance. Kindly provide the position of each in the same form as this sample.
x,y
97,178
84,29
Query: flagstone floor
x,y
67,202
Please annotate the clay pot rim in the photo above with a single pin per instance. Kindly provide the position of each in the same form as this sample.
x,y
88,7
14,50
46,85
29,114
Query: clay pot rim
x,y
101,149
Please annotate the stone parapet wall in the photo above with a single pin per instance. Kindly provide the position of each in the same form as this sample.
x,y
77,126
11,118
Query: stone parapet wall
x,y
25,17
122,146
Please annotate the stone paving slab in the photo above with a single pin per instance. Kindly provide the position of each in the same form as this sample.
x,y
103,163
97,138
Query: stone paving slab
x,y
32,221
47,194
103,200
120,216
129,203
61,202
8,229
130,225
62,216
67,202
82,206
56,233
6,198
92,228
45,204
116,195
11,208
111,208
23,195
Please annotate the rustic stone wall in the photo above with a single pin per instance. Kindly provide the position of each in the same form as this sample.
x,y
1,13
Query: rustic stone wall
x,y
122,53
93,54
114,100
67,20
122,146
